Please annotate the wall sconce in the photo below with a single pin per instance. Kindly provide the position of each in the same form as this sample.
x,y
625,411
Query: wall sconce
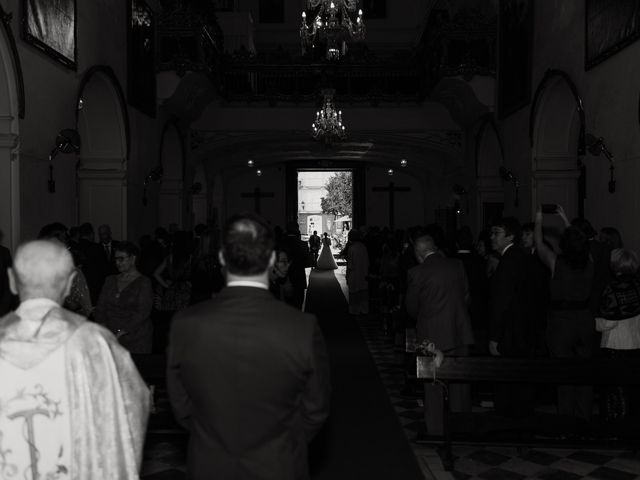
x,y
67,141
390,172
403,163
508,176
155,175
596,146
460,191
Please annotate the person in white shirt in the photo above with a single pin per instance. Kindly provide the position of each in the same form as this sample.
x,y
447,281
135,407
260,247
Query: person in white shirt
x,y
72,404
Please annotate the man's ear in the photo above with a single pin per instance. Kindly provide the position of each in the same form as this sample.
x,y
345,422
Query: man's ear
x,y
67,288
13,281
272,259
221,258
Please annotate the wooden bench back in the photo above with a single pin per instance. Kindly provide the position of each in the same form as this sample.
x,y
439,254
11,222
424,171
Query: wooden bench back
x,y
592,371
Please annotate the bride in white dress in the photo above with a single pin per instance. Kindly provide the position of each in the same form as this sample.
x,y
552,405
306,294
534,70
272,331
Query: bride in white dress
x,y
325,260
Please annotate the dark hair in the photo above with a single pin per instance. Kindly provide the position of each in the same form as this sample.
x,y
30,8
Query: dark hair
x,y
53,230
464,238
127,247
436,232
511,226
247,244
85,229
585,226
575,247
528,227
611,236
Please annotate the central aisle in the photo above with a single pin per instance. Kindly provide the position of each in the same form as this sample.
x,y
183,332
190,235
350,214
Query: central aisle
x,y
362,438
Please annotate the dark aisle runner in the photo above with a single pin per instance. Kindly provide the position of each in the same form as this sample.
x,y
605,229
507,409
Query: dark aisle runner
x,y
362,438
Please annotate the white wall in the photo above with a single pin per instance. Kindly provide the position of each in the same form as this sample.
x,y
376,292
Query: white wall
x,y
610,95
50,91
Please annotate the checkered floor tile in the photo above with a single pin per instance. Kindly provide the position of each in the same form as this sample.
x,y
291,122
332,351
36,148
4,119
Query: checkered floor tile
x,y
490,463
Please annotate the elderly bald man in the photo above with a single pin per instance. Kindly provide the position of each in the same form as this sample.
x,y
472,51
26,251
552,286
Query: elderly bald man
x,y
73,404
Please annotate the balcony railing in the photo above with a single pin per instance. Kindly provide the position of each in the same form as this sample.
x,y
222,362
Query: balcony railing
x,y
302,83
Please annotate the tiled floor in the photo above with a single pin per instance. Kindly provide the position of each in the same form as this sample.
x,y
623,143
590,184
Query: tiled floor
x,y
491,463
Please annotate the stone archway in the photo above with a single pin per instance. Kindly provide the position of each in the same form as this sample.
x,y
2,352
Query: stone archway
x,y
10,109
557,141
102,122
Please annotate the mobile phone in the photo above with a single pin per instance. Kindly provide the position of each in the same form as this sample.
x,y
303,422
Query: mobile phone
x,y
549,208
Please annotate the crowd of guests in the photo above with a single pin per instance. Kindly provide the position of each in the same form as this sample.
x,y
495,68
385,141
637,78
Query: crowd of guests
x,y
246,350
510,293
513,292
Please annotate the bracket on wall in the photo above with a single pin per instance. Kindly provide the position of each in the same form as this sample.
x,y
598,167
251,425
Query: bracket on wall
x,y
596,146
67,141
508,176
155,175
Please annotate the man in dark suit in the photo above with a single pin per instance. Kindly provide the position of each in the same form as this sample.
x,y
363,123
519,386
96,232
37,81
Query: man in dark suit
x,y
299,251
248,375
476,271
95,266
437,297
512,328
108,245
314,246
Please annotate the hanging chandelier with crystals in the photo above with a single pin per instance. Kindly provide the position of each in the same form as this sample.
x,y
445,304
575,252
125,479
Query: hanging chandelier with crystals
x,y
328,125
332,24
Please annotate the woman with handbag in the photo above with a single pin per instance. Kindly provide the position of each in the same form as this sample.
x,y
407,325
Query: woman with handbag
x,y
619,322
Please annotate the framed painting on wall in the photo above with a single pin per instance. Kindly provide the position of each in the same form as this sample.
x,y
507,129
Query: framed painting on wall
x,y
141,78
515,33
610,26
51,27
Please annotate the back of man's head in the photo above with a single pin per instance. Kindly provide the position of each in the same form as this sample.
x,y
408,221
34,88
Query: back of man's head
x,y
247,245
464,238
86,231
42,269
424,245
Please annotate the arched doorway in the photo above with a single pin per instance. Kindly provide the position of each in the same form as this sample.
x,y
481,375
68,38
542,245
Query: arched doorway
x,y
557,140
9,130
102,164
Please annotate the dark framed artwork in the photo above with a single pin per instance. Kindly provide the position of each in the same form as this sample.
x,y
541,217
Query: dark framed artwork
x,y
515,33
141,77
271,11
374,8
610,26
51,26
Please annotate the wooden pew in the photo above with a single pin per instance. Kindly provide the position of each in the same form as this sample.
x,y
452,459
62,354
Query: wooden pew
x,y
536,371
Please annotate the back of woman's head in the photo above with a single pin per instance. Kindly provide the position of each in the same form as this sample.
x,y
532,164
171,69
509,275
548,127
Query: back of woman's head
x,y
611,236
624,261
575,247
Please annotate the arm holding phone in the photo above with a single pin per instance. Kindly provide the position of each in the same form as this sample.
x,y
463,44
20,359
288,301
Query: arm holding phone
x,y
545,254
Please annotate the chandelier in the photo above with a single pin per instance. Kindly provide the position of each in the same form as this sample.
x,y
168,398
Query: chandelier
x,y
328,125
332,24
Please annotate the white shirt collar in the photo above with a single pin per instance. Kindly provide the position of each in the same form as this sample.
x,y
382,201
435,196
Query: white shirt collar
x,y
506,248
247,283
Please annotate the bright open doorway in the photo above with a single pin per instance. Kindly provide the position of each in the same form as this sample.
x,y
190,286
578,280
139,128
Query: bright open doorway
x,y
325,204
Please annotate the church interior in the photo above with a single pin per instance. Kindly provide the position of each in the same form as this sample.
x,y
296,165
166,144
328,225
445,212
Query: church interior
x,y
142,114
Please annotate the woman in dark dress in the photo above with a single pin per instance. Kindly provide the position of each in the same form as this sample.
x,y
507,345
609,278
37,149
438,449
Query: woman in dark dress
x,y
125,302
570,324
